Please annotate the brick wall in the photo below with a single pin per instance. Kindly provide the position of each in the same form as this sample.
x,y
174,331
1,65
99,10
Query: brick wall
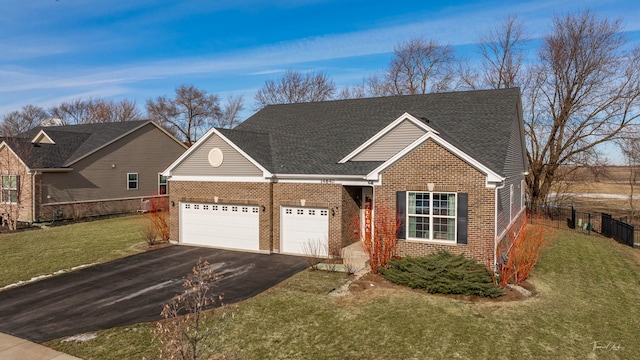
x,y
315,195
431,163
350,214
11,165
227,193
81,210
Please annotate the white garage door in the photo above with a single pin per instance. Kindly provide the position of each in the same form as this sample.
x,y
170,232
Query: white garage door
x,y
220,225
304,231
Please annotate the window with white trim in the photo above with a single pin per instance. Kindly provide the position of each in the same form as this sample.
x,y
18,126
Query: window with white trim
x,y
10,189
431,216
511,202
162,185
132,181
522,194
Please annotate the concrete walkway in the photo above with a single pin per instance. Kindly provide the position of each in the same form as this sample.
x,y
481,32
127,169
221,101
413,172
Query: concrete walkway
x,y
13,348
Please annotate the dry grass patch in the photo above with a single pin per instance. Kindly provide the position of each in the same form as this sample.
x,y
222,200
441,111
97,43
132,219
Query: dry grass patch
x,y
27,254
588,290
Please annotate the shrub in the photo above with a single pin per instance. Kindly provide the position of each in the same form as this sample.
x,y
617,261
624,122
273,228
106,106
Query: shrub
x,y
184,333
523,254
380,237
443,273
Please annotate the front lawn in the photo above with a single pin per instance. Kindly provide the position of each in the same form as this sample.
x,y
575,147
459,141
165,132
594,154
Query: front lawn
x,y
587,306
31,253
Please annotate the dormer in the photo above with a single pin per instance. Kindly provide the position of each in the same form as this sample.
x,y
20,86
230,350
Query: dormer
x,y
42,138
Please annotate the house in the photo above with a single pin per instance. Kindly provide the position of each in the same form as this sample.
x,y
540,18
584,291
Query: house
x,y
60,172
292,178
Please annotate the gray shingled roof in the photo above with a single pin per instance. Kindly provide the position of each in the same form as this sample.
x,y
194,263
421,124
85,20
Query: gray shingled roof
x,y
71,142
310,138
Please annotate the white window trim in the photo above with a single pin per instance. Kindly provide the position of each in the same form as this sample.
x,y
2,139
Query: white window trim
x,y
522,194
2,189
511,194
431,217
137,181
166,184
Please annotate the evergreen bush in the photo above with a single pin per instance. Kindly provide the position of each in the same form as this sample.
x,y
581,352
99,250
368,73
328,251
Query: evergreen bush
x,y
442,273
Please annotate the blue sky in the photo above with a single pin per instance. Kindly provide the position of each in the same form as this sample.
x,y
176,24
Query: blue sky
x,y
53,51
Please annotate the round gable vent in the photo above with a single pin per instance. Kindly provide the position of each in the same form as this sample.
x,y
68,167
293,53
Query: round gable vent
x,y
215,157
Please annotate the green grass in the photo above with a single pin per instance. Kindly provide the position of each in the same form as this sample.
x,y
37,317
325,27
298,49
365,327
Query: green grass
x,y
588,291
31,253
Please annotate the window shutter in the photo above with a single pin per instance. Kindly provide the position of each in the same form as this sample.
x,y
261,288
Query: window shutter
x,y
463,213
401,216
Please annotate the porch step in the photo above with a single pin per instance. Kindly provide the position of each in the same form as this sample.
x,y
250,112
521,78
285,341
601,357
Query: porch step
x,y
354,257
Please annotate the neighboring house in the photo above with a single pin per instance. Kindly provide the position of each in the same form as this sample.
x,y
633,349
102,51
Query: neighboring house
x,y
60,172
294,177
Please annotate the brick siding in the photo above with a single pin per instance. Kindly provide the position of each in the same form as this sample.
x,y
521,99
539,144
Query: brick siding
x,y
431,163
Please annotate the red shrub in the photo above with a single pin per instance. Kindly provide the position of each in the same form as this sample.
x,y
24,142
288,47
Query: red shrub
x,y
379,236
523,254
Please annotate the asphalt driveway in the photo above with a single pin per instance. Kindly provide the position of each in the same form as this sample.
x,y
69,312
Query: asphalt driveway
x,y
132,290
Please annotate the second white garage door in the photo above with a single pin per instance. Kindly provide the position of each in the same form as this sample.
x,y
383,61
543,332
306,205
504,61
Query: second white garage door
x,y
304,231
219,225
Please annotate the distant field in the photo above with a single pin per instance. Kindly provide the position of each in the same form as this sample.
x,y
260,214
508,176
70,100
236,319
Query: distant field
x,y
615,174
609,185
614,193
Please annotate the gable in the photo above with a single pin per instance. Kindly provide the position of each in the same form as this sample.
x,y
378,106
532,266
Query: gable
x,y
492,178
391,143
216,151
42,138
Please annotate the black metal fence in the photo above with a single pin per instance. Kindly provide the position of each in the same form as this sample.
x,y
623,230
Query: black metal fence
x,y
585,221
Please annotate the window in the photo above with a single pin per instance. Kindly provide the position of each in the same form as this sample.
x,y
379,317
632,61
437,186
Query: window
x,y
132,181
431,216
511,201
522,194
9,188
162,185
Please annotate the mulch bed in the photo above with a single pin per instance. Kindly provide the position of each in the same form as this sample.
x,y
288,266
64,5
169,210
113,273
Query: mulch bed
x,y
371,281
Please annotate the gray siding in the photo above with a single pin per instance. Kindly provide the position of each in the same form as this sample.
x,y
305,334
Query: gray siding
x,y
514,170
390,144
147,151
234,164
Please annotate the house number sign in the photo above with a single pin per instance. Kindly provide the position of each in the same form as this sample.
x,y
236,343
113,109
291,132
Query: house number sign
x,y
327,181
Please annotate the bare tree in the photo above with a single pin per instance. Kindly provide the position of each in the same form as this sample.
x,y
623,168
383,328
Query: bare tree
x,y
230,115
80,111
630,147
22,120
188,115
358,91
125,110
418,67
295,87
502,51
585,91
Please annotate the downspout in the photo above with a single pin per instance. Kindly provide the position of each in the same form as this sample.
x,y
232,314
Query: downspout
x,y
495,227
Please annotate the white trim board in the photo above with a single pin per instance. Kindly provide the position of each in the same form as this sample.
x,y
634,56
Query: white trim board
x,y
386,130
492,177
213,131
